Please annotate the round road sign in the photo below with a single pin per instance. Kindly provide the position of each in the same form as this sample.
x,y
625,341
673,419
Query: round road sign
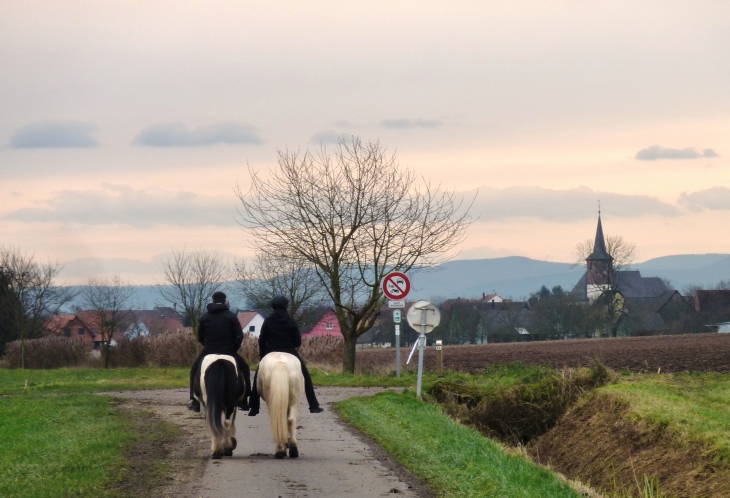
x,y
396,285
423,316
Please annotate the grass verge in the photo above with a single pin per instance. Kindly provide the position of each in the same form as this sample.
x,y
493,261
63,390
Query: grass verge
x,y
494,377
85,380
693,407
454,460
75,445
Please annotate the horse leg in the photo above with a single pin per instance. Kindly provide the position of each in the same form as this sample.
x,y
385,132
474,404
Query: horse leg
x,y
292,426
229,427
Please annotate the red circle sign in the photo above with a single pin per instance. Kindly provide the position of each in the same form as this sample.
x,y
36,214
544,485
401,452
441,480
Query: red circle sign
x,y
396,285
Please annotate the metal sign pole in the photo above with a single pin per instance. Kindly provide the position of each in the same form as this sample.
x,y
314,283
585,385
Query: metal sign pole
x,y
421,342
397,351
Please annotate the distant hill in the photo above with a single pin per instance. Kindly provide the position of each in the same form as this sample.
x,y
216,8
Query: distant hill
x,y
517,277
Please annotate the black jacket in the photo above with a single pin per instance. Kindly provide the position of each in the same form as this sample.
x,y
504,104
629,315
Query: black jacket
x,y
279,333
219,330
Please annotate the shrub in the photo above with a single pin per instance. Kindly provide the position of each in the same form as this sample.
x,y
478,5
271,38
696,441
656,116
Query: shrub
x,y
47,352
249,349
130,353
320,350
171,349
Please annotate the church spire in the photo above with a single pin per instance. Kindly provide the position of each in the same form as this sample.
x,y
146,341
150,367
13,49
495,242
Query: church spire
x,y
599,246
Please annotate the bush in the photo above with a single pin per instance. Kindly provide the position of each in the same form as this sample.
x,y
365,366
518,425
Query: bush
x,y
320,350
47,352
171,349
129,353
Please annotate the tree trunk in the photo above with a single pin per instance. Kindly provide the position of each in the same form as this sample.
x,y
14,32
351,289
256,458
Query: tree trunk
x,y
197,343
106,354
348,352
22,353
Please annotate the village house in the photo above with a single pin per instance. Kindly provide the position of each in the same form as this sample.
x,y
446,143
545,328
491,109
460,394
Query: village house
x,y
84,325
327,325
251,322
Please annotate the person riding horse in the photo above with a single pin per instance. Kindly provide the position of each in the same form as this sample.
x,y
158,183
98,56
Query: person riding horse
x,y
280,333
220,332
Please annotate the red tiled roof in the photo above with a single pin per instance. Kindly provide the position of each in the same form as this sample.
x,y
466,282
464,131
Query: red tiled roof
x,y
245,317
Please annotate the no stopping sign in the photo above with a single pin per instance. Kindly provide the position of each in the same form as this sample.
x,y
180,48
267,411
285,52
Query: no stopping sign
x,y
396,285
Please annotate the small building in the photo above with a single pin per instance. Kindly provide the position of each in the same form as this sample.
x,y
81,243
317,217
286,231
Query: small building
x,y
491,298
327,325
71,326
251,322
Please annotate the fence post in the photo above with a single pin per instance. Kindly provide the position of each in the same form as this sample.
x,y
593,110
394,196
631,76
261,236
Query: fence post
x,y
439,359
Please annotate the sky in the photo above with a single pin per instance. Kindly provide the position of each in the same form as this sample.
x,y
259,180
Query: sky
x,y
126,126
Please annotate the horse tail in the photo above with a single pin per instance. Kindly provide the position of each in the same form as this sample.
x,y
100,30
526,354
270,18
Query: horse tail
x,y
278,402
215,388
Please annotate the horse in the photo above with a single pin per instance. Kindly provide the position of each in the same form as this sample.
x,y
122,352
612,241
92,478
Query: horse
x,y
218,388
281,383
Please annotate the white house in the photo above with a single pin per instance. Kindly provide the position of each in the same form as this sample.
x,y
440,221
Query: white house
x,y
251,322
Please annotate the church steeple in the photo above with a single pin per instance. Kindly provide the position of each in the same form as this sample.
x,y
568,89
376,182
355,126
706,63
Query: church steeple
x,y
599,266
599,246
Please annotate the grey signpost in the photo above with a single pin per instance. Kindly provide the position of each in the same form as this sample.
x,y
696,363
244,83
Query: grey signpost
x,y
423,316
396,286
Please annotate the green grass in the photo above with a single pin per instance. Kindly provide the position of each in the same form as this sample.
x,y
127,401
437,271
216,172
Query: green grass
x,y
62,446
494,377
454,460
694,407
84,380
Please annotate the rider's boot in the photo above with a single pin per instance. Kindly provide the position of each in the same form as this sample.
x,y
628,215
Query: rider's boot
x,y
194,405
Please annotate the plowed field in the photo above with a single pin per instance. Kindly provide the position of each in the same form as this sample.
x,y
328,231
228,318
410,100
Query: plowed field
x,y
674,353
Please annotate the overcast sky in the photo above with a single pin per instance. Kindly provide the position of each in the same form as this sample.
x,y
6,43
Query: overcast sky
x,y
125,126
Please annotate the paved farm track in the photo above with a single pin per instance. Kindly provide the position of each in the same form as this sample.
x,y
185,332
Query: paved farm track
x,y
335,461
671,353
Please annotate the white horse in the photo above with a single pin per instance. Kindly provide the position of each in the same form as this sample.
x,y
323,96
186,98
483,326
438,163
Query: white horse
x,y
219,387
280,383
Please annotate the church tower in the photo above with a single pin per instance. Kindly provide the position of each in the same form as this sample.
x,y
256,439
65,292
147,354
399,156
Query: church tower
x,y
599,274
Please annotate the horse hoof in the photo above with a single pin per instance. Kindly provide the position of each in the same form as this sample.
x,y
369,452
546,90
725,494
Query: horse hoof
x,y
216,456
280,454
293,452
233,443
228,453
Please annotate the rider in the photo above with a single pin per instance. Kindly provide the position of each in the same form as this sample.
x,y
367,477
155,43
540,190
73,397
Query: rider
x,y
280,332
220,332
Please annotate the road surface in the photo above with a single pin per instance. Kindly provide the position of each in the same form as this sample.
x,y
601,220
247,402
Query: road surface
x,y
335,461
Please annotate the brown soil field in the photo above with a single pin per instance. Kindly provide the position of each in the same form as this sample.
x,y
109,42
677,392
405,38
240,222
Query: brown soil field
x,y
670,353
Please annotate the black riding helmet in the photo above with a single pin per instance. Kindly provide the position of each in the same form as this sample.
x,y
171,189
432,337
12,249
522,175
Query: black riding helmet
x,y
279,303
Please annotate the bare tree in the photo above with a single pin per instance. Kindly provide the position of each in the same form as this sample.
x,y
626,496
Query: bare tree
x,y
622,252
354,215
32,297
109,300
191,278
268,276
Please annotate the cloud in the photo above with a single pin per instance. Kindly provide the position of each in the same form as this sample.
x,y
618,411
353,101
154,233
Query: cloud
x,y
410,123
123,205
329,137
178,135
492,204
715,198
54,134
656,152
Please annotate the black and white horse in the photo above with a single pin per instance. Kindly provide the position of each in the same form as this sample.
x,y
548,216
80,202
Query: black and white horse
x,y
218,388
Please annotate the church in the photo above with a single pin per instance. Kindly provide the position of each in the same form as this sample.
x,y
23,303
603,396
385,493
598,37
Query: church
x,y
600,276
641,305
